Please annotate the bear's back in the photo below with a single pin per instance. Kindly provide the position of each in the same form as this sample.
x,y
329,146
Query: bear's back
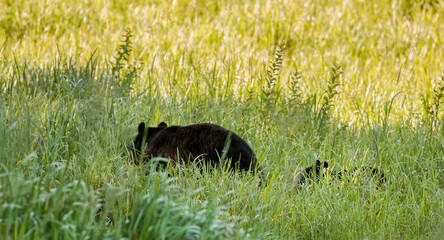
x,y
204,140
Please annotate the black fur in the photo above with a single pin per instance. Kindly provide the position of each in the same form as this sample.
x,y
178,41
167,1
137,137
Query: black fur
x,y
374,173
193,143
308,172
319,166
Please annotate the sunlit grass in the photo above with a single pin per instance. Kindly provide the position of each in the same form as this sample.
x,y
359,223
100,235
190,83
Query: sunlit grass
x,y
356,84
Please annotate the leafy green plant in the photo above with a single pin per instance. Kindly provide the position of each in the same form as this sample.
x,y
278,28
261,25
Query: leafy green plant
x,y
123,51
295,96
125,72
321,111
432,107
270,90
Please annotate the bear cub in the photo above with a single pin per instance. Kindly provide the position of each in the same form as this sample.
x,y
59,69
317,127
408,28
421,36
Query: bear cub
x,y
308,173
208,142
320,168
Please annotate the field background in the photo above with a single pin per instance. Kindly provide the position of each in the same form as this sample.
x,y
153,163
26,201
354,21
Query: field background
x,y
355,83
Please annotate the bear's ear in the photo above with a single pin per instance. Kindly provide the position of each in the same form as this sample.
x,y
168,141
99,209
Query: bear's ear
x,y
308,170
141,128
318,164
162,125
325,164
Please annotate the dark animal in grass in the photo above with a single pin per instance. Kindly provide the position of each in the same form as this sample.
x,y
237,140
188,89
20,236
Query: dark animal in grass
x,y
206,142
374,173
312,172
321,168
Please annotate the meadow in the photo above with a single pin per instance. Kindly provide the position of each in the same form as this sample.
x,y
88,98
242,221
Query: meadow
x,y
355,83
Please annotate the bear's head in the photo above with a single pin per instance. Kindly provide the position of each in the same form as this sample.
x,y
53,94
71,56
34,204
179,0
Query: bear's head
x,y
142,138
312,172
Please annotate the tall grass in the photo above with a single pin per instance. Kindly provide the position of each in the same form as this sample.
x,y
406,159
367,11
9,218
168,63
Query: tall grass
x,y
356,84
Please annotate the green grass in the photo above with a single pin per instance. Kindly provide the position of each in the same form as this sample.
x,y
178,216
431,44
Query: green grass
x,y
356,83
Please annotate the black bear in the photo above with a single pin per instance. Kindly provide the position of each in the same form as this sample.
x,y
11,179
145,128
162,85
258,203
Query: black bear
x,y
321,167
193,143
374,173
308,173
